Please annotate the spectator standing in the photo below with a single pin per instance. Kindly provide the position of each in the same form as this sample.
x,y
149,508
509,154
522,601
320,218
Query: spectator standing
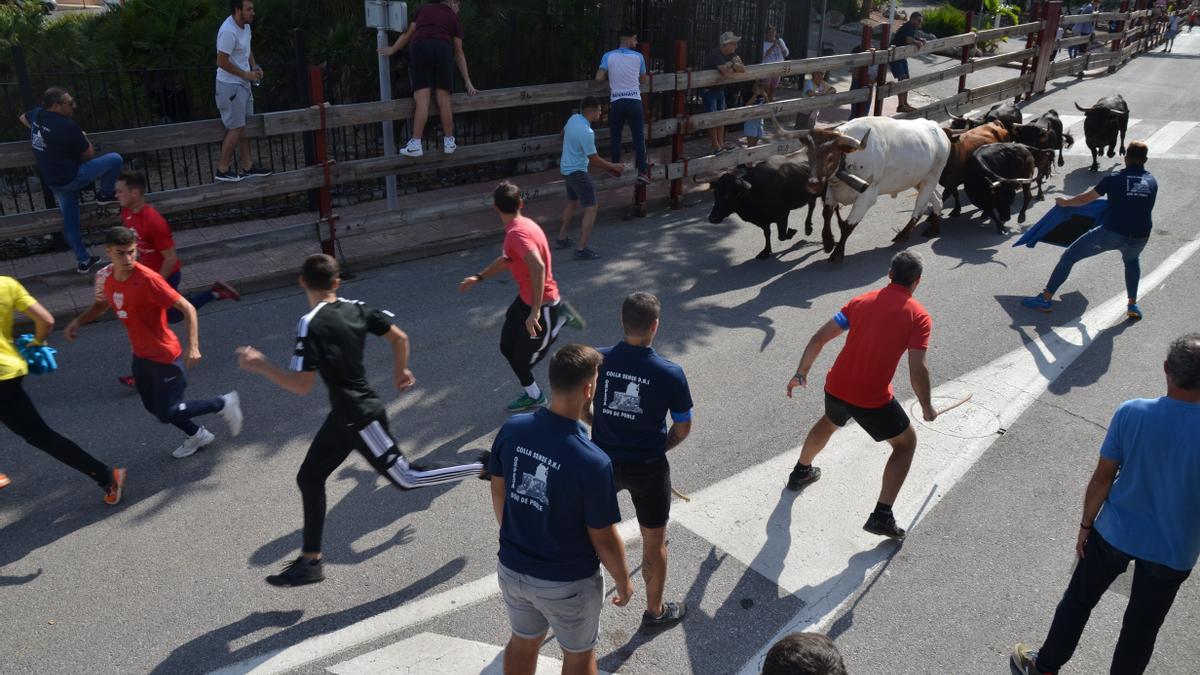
x,y
625,70
68,163
1058,36
753,129
817,87
1140,506
553,496
774,51
578,154
804,654
905,36
1172,31
435,42
724,59
236,72
1085,28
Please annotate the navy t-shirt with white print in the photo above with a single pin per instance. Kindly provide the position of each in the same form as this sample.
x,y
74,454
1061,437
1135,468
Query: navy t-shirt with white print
x,y
1131,194
557,485
58,145
636,390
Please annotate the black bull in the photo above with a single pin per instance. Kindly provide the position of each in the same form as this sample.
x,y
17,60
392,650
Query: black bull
x,y
1102,123
995,171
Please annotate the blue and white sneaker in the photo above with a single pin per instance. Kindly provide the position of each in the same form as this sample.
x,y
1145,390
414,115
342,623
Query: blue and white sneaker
x,y
1037,302
1134,312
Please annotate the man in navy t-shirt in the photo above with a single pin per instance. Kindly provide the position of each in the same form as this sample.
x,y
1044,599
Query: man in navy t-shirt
x,y
1125,227
637,390
552,491
69,164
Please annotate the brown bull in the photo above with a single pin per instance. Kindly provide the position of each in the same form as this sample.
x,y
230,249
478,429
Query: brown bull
x,y
954,173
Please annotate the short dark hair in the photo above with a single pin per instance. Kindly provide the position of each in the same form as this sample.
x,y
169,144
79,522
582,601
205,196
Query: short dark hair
x,y
914,15
626,32
1136,152
119,235
133,179
53,96
639,312
235,5
319,271
572,366
804,654
507,197
906,268
589,103
1183,361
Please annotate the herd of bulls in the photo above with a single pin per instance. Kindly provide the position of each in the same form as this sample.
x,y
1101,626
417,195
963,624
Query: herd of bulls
x,y
990,155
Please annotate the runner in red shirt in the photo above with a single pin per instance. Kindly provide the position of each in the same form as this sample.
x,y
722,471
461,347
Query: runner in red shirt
x,y
140,297
883,325
535,317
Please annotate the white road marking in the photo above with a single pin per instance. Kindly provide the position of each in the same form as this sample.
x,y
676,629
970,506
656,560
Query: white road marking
x,y
1164,138
1069,121
1080,149
432,654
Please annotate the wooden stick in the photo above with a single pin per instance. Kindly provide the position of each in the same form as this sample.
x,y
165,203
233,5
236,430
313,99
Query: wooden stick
x,y
952,406
679,494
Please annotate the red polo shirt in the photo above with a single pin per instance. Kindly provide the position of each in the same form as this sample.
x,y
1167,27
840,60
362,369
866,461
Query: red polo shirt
x,y
141,303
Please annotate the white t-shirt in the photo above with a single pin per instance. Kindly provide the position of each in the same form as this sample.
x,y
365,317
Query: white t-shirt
x,y
235,42
625,68
773,55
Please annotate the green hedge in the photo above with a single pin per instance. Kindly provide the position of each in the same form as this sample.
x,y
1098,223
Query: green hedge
x,y
944,21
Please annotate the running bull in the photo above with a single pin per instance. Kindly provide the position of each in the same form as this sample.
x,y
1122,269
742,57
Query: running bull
x,y
965,144
1007,114
1045,132
995,171
1101,125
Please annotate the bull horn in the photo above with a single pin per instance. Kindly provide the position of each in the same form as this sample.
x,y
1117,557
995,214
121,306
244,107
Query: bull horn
x,y
1082,109
952,115
1016,181
787,133
705,178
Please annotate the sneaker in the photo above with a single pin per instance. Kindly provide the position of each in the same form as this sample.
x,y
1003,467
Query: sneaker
x,y
106,198
255,171
230,176
525,402
112,493
193,443
884,526
1134,312
128,381
299,572
85,267
673,613
586,254
5,481
564,242
1024,659
644,177
485,458
413,149
799,478
448,145
573,318
1038,302
224,291
232,412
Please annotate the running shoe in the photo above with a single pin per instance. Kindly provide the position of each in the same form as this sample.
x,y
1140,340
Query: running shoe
x,y
526,402
572,316
232,412
128,381
1038,302
230,176
1134,312
448,145
193,443
564,242
299,572
5,481
1024,659
106,198
673,613
112,493
799,477
586,254
85,267
884,526
413,149
224,291
255,171
644,177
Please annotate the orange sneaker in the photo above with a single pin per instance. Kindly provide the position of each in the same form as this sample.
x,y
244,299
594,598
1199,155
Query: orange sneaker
x,y
112,494
4,481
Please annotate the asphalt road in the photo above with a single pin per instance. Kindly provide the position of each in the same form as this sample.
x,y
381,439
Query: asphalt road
x,y
170,581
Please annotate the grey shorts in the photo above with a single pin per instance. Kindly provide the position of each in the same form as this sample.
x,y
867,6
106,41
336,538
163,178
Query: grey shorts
x,y
571,608
580,188
235,103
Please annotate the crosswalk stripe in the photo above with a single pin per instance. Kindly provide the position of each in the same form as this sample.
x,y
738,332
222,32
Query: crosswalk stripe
x,y
1070,120
432,654
1080,149
1164,138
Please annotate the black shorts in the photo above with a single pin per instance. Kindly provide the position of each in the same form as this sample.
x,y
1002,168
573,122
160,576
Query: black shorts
x,y
431,65
650,487
882,423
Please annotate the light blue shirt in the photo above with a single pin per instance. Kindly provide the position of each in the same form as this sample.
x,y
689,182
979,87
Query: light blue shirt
x,y
625,68
579,143
1151,509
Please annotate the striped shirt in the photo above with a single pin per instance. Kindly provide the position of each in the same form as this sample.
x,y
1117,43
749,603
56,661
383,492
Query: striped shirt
x,y
330,340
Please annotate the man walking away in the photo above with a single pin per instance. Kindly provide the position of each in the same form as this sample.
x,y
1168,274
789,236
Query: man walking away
x,y
883,325
17,411
637,390
905,35
330,340
578,155
625,70
804,654
236,71
1144,490
535,317
68,163
141,297
726,62
1172,31
552,491
1125,227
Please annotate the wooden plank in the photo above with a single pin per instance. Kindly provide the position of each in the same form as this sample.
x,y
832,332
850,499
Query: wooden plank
x,y
1075,41
1006,86
1008,31
892,88
937,111
671,125
1066,67
990,61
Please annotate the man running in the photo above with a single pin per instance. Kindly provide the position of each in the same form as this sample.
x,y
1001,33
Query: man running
x,y
156,247
883,324
536,316
330,340
17,411
1125,228
637,389
141,297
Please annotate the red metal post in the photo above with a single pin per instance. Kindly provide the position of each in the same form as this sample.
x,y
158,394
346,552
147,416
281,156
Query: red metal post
x,y
864,74
1051,14
966,51
885,39
680,110
325,194
1116,47
639,190
1038,13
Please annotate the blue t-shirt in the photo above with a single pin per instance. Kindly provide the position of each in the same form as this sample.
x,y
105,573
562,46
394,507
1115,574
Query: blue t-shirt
x,y
579,143
558,484
58,145
1085,28
1151,509
635,391
1131,193
625,69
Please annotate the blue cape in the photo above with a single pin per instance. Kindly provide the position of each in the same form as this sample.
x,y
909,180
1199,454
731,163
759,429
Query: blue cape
x,y
1061,216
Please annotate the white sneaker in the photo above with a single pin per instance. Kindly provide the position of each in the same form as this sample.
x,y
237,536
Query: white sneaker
x,y
232,412
413,149
448,145
193,443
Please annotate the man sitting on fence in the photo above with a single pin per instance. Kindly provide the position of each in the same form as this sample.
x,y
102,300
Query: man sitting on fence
x,y
906,35
68,163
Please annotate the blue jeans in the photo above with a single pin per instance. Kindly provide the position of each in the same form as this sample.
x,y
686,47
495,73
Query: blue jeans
x,y
104,168
1095,241
628,111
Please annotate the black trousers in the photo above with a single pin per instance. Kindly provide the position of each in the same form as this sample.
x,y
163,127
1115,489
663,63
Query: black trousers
x,y
18,413
161,386
338,436
1154,588
522,351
